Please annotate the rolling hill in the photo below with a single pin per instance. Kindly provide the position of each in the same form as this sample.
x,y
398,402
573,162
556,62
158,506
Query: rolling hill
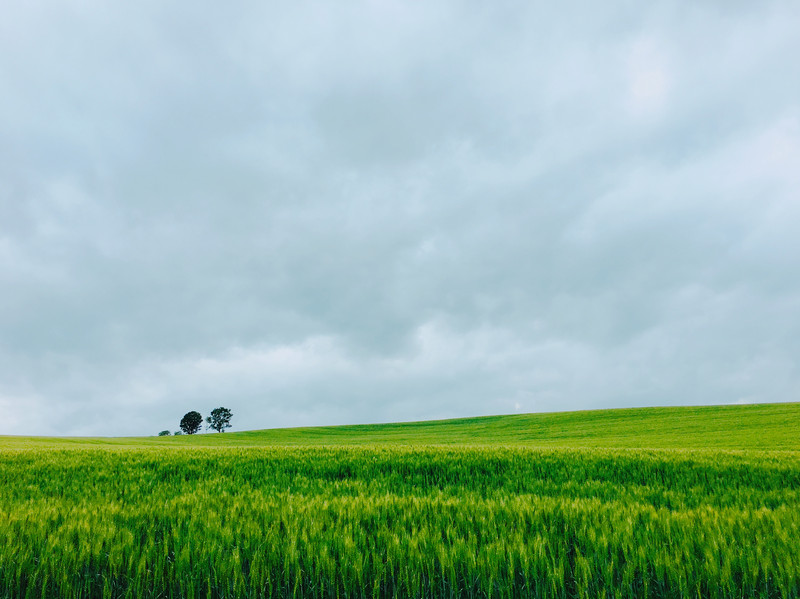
x,y
756,426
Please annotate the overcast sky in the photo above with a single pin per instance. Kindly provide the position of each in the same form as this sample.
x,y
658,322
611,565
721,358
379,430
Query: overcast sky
x,y
336,212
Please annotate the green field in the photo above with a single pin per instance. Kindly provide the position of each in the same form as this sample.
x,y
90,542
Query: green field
x,y
663,502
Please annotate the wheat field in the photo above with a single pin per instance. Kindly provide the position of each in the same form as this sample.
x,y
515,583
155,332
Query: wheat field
x,y
188,518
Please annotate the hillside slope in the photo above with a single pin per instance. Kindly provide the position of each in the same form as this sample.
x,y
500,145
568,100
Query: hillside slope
x,y
758,426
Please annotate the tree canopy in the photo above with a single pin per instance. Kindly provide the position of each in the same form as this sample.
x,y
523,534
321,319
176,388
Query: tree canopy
x,y
191,422
220,419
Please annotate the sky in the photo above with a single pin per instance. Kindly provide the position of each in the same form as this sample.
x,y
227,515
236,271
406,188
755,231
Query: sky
x,y
320,213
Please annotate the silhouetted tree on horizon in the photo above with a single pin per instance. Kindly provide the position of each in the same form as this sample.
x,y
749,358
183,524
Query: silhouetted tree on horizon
x,y
220,419
191,422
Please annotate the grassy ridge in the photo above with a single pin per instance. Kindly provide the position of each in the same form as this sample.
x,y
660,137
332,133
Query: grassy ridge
x,y
758,426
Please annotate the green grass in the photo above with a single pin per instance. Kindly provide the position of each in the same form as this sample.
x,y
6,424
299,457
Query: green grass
x,y
757,426
665,502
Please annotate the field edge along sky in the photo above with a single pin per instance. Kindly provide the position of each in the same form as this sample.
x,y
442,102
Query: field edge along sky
x,y
322,213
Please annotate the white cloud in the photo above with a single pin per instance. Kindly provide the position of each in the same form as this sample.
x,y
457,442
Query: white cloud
x,y
649,78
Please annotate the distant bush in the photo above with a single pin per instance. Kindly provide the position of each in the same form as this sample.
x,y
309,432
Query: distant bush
x,y
164,434
176,433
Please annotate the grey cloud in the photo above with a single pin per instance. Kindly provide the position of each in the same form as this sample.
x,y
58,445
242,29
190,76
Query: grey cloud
x,y
389,212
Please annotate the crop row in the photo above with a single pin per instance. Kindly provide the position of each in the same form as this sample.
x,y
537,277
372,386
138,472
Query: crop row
x,y
373,522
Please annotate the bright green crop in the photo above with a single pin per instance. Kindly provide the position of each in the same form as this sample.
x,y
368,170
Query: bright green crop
x,y
539,505
379,521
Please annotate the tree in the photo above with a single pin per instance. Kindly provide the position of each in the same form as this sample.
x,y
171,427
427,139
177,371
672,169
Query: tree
x,y
176,433
220,419
191,422
164,434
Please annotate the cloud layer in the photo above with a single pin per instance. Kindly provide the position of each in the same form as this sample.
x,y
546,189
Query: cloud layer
x,y
394,211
